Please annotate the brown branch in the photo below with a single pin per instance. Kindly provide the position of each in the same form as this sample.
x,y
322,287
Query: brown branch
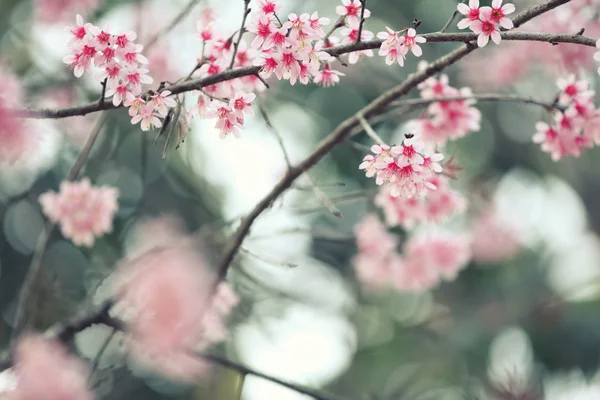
x,y
345,128
236,45
196,84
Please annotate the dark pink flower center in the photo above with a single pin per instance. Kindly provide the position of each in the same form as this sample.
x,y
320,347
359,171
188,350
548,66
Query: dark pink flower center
x,y
487,27
474,14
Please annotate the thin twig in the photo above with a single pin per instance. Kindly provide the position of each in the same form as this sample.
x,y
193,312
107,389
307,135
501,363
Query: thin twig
x,y
101,351
36,262
101,101
454,14
242,30
363,5
345,128
174,22
338,24
195,84
321,196
369,130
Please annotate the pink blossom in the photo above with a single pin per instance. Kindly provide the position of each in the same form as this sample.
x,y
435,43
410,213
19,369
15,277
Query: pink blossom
x,y
573,90
135,104
497,14
44,370
486,29
135,77
241,104
372,237
327,76
410,40
433,255
162,102
164,293
52,11
391,47
317,24
84,212
263,27
148,116
268,6
471,13
118,90
351,9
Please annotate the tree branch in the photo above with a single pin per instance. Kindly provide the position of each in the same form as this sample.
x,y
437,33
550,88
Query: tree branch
x,y
363,5
196,84
236,45
345,128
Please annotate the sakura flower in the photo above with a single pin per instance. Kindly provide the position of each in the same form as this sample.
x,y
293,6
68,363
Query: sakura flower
x,y
263,27
351,9
242,104
52,11
471,13
44,370
163,295
497,14
486,29
573,90
410,40
268,6
148,116
135,77
84,212
78,31
162,102
118,90
317,24
327,76
383,157
135,104
372,236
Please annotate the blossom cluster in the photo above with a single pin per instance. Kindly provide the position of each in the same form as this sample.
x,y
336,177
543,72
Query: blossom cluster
x,y
395,47
436,206
427,258
445,120
121,68
576,126
166,331
404,170
83,211
486,21
44,370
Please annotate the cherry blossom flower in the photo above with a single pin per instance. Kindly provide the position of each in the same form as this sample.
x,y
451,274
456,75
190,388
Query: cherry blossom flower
x,y
351,35
497,14
573,90
162,102
51,11
242,104
486,29
351,9
391,47
268,6
471,13
84,212
148,117
327,76
44,370
430,256
163,294
410,40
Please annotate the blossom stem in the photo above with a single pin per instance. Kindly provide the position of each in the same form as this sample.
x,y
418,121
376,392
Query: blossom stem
x,y
365,125
454,14
363,5
195,84
236,45
103,94
343,131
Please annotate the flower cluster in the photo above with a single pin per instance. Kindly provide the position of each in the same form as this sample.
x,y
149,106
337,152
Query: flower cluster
x,y
575,128
486,21
445,120
164,331
395,47
405,170
427,257
44,370
83,211
434,207
121,68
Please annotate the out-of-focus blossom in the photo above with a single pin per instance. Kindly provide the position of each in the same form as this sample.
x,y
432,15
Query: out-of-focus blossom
x,y
44,370
84,212
164,296
52,11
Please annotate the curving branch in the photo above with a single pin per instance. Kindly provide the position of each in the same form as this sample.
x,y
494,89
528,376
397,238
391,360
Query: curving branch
x,y
346,127
197,84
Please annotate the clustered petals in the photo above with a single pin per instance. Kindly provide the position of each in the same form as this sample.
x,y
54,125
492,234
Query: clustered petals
x,y
165,331
120,65
395,46
84,212
445,120
404,170
576,126
427,257
486,21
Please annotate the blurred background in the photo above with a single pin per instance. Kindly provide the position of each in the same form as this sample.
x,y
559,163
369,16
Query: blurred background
x,y
528,323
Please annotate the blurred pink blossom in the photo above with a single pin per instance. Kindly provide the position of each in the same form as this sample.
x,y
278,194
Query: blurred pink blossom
x,y
44,370
164,295
52,11
83,211
494,239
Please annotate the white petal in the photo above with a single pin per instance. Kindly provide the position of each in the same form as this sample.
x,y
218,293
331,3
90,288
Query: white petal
x,y
482,40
